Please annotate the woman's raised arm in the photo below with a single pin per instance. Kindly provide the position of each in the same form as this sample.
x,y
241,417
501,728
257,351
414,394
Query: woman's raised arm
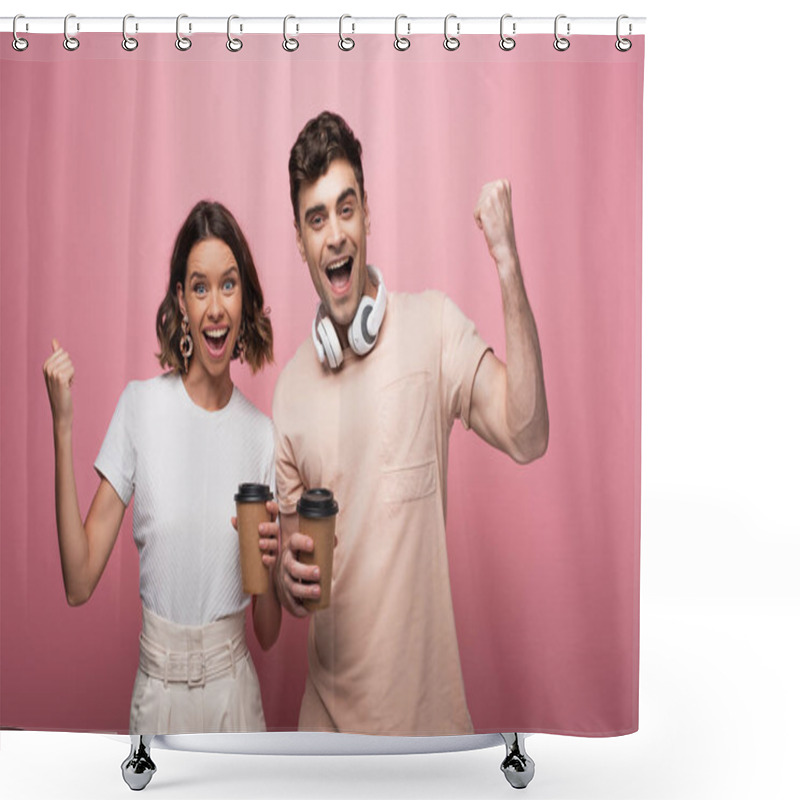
x,y
84,546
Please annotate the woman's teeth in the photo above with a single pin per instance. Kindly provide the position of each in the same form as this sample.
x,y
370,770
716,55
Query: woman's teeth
x,y
216,339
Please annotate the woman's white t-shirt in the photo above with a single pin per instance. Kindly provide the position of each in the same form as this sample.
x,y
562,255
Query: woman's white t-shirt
x,y
184,465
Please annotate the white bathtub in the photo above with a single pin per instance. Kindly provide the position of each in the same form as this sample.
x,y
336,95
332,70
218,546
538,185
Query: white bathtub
x,y
139,767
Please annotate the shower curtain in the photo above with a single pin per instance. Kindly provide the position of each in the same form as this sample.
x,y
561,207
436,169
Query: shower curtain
x,y
104,152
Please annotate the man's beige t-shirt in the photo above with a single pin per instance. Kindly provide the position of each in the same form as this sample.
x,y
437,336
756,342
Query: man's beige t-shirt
x,y
383,658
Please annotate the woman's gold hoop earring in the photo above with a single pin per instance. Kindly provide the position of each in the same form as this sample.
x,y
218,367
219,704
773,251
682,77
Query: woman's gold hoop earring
x,y
186,343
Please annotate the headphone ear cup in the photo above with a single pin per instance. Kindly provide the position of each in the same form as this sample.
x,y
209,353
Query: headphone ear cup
x,y
357,334
326,334
315,340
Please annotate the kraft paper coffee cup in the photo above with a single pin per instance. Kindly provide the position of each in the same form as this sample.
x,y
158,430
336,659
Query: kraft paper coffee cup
x,y
250,511
317,512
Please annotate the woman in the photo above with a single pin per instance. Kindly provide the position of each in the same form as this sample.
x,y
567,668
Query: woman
x,y
182,441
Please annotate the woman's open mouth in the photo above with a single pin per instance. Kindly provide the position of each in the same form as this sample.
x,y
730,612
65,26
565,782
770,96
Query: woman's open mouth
x,y
215,340
338,273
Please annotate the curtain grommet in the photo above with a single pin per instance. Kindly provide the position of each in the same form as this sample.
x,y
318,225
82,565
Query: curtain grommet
x,y
507,43
129,43
233,44
401,43
17,42
183,43
345,42
561,43
451,43
290,44
71,43
622,44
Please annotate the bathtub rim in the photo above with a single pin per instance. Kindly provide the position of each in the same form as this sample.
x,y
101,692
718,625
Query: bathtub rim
x,y
286,743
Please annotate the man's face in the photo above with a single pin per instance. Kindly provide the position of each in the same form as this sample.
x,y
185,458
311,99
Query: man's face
x,y
332,240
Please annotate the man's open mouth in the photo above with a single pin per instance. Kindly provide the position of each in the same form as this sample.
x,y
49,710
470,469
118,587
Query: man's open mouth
x,y
215,339
339,273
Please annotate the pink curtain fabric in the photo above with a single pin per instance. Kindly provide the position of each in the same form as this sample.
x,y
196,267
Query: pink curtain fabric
x,y
103,154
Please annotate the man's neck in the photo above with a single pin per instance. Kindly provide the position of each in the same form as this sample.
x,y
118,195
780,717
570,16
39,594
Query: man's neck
x,y
370,290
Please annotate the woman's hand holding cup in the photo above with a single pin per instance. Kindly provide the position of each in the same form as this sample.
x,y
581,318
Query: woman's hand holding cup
x,y
255,522
268,536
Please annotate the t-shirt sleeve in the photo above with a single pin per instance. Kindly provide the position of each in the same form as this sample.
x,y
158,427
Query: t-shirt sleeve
x,y
116,461
288,483
462,351
269,478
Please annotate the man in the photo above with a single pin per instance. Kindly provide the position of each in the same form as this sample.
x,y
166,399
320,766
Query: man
x,y
374,428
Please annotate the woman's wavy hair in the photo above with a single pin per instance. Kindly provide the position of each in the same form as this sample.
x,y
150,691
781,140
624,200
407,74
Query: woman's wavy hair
x,y
210,220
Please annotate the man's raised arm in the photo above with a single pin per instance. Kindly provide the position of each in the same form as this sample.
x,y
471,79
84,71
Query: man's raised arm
x,y
509,406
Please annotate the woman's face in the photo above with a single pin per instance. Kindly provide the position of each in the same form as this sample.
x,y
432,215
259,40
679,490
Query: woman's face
x,y
212,299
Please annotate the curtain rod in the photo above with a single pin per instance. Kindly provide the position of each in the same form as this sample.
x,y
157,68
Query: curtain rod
x,y
348,24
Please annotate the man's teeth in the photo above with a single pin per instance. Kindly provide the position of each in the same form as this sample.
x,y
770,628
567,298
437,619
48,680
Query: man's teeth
x,y
345,262
339,273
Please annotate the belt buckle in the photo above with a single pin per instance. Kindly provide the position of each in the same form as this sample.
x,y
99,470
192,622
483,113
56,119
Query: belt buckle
x,y
195,666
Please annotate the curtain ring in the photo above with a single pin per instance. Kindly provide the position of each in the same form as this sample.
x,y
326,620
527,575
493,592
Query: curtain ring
x,y
507,42
18,43
70,42
451,42
345,42
401,42
290,44
129,43
623,45
561,43
233,44
183,43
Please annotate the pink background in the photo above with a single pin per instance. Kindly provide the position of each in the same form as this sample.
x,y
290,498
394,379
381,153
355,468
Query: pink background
x,y
103,153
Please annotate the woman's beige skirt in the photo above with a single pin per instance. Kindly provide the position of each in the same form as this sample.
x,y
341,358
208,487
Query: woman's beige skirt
x,y
195,679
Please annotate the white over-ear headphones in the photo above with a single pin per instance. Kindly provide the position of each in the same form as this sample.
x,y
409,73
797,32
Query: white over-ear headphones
x,y
363,331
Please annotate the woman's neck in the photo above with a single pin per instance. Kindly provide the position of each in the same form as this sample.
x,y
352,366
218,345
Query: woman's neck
x,y
209,393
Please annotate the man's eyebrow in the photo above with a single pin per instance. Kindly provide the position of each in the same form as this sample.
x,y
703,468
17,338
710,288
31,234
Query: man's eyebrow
x,y
346,195
317,209
320,207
